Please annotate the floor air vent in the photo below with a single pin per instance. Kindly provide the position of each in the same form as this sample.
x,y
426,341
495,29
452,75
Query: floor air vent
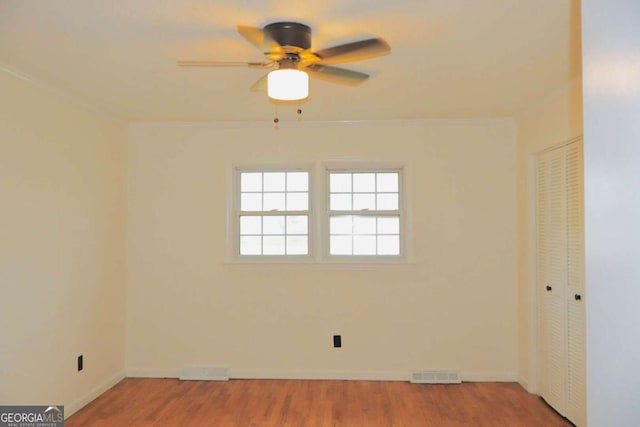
x,y
210,373
435,377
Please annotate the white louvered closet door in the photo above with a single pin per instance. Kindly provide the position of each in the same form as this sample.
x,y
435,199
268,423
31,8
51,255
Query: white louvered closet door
x,y
560,280
576,326
542,269
552,278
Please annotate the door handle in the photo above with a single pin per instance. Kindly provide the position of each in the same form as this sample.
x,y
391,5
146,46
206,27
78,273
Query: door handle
x,y
578,297
549,288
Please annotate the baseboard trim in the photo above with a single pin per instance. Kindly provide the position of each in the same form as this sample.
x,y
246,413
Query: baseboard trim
x,y
152,373
529,386
321,375
494,377
92,395
326,375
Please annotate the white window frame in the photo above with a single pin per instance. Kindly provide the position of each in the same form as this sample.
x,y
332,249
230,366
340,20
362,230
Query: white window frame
x,y
235,212
318,221
400,212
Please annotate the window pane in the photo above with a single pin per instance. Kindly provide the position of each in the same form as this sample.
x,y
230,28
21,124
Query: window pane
x,y
389,225
297,201
274,201
297,224
340,183
250,225
297,181
273,225
297,245
340,202
340,245
272,194
387,202
274,181
364,182
364,245
273,245
387,182
364,225
251,201
250,245
341,224
388,245
364,201
251,181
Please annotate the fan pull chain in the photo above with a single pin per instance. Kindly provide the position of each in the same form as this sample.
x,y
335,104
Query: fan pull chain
x,y
299,114
276,120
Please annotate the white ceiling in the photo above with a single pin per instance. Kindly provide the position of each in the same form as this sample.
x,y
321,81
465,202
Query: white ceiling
x,y
449,58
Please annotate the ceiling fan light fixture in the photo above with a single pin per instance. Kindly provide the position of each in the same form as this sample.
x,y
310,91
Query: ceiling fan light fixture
x,y
288,84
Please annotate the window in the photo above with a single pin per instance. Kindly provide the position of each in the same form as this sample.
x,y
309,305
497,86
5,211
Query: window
x,y
274,213
364,213
360,216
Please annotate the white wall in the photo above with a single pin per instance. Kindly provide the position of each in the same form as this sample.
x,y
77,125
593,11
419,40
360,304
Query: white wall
x,y
611,52
62,248
454,308
557,119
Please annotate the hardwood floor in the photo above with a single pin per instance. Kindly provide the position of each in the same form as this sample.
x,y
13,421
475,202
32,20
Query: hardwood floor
x,y
144,402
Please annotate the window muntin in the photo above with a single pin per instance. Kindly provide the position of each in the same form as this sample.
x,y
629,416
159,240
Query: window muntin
x,y
273,213
364,213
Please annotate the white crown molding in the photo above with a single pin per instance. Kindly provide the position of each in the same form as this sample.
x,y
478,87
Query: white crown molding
x,y
322,124
64,95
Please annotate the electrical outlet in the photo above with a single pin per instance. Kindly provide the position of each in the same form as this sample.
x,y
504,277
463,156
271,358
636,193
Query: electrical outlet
x,y
80,363
337,341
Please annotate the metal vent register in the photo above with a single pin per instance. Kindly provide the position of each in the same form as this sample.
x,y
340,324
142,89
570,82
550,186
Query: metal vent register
x,y
435,377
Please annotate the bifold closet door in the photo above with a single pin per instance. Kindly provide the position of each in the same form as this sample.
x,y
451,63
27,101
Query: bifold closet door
x,y
551,277
576,322
560,280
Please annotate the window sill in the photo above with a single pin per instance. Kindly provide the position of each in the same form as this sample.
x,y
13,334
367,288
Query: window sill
x,y
329,264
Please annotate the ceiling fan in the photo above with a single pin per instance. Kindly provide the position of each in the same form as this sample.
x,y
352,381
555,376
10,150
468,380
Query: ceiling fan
x,y
287,46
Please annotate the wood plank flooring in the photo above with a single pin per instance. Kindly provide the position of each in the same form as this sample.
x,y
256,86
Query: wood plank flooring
x,y
142,402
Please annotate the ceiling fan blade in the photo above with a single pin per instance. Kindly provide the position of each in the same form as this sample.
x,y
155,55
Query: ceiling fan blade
x,y
254,35
355,51
336,74
225,64
260,85
263,41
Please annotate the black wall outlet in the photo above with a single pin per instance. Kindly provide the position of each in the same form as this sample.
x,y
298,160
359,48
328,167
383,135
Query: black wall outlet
x,y
337,341
80,362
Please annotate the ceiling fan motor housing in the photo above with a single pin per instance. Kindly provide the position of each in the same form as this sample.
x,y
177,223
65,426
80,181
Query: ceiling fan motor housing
x,y
287,34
